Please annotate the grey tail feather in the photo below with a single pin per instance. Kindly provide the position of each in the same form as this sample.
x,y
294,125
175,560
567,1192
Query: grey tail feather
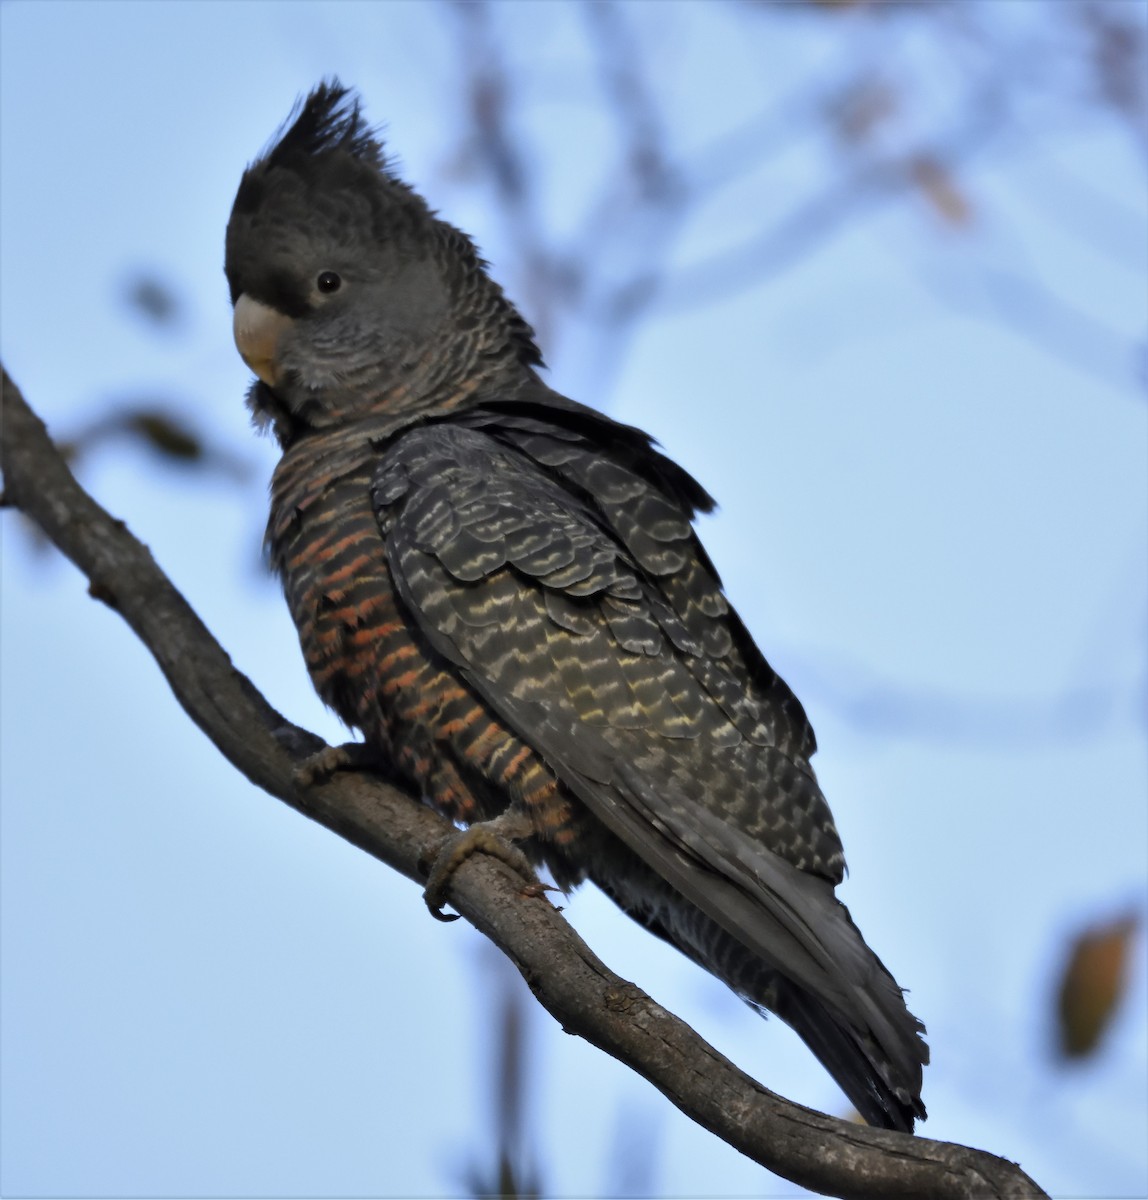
x,y
854,1062
865,1072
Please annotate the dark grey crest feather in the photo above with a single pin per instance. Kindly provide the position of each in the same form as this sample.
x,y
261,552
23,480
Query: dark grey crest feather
x,y
330,118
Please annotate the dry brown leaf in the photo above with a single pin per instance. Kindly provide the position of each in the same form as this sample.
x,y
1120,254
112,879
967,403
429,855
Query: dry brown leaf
x,y
1095,978
940,188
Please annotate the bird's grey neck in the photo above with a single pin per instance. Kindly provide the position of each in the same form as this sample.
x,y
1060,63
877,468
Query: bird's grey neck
x,y
440,381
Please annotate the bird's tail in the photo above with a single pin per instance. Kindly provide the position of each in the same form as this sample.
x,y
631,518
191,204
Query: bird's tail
x,y
875,1060
857,1062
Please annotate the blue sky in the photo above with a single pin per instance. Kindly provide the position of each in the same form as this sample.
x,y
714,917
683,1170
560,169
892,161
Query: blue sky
x,y
203,994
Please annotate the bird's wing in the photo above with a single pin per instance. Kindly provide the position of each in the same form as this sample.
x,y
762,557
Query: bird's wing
x,y
647,502
643,711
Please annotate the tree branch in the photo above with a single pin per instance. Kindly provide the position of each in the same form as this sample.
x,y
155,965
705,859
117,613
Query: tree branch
x,y
817,1151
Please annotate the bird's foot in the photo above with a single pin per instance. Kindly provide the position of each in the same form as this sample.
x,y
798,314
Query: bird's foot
x,y
350,756
494,837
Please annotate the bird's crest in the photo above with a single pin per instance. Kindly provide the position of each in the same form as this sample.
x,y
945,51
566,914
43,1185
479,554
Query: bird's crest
x,y
328,119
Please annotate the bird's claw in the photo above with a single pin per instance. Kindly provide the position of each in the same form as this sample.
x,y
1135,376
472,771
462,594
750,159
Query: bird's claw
x,y
495,838
319,767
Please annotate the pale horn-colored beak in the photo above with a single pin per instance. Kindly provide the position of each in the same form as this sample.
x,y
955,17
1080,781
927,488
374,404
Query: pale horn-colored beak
x,y
257,330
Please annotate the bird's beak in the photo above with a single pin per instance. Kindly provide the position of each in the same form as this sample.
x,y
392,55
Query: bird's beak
x,y
257,330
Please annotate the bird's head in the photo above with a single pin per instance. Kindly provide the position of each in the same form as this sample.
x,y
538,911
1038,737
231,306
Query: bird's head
x,y
349,294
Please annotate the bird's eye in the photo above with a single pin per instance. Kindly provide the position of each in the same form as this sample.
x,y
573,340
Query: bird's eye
x,y
328,281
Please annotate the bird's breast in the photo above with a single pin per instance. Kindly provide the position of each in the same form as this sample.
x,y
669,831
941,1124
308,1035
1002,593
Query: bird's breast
x,y
370,663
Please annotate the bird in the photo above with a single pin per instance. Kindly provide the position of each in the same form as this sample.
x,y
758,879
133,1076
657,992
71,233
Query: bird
x,y
502,590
